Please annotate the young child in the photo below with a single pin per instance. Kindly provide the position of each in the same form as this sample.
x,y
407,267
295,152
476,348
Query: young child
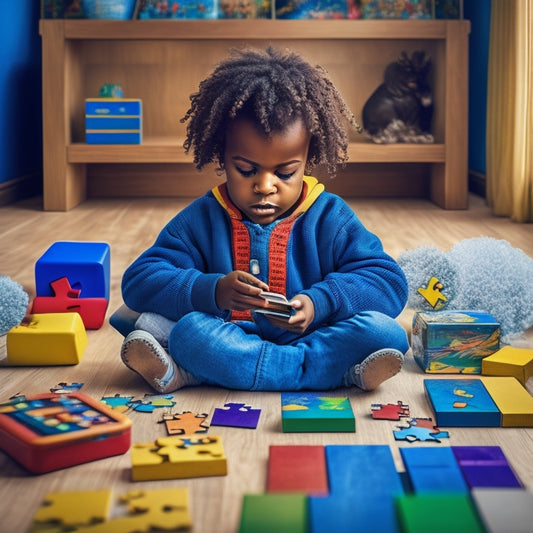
x,y
266,118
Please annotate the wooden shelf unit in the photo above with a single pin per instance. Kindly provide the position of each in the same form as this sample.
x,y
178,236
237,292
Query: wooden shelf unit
x,y
162,62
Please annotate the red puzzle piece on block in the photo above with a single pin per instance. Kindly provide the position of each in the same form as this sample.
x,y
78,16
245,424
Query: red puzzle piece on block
x,y
67,300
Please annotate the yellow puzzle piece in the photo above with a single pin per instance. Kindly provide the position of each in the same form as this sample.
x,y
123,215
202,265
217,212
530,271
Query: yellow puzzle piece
x,y
178,457
88,512
49,339
72,509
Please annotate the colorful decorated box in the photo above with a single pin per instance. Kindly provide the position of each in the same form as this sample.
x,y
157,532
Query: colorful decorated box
x,y
311,9
52,431
397,9
177,9
244,9
454,342
113,121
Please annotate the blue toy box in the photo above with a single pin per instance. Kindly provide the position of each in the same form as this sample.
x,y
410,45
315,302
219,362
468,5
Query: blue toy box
x,y
453,342
113,121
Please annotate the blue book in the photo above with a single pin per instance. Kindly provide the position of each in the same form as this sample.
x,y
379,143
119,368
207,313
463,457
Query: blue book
x,y
462,403
364,479
433,470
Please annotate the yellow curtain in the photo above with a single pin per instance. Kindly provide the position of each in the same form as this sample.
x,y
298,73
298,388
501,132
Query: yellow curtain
x,y
510,110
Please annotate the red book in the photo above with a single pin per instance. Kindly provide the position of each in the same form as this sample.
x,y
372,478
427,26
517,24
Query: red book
x,y
297,469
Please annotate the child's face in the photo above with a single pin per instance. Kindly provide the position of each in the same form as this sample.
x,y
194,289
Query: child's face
x,y
265,174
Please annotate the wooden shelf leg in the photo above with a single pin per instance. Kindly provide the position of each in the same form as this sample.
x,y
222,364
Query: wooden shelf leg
x,y
64,184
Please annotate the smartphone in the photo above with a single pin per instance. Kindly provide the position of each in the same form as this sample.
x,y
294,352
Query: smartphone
x,y
278,305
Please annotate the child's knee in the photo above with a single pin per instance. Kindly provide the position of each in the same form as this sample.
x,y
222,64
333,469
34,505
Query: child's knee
x,y
389,331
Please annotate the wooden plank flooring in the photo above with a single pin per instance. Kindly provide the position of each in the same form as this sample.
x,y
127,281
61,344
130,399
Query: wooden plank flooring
x,y
129,226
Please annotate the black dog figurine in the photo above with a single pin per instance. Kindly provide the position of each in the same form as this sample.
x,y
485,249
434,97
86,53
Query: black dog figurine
x,y
401,108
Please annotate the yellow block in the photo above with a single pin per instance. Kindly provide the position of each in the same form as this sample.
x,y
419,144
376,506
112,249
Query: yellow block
x,y
178,457
49,339
509,361
512,399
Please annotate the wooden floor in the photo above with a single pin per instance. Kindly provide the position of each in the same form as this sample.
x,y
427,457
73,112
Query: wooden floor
x,y
129,226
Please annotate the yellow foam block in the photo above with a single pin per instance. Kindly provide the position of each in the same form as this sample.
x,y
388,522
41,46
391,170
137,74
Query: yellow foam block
x,y
509,361
48,339
512,399
178,457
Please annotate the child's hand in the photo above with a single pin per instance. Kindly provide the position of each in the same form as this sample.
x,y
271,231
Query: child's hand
x,y
239,291
302,318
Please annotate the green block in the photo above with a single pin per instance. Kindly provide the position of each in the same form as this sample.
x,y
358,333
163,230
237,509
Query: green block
x,y
316,412
438,513
279,513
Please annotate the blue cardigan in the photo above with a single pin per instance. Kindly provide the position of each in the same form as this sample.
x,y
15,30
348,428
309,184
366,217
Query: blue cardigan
x,y
330,256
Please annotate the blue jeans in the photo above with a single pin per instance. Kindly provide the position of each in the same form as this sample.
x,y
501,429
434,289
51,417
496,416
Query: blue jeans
x,y
259,356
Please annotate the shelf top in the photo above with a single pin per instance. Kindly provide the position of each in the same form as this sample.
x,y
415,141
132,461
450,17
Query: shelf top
x,y
258,29
167,150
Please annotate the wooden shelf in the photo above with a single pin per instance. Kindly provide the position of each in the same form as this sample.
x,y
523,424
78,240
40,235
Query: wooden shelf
x,y
260,29
162,61
160,150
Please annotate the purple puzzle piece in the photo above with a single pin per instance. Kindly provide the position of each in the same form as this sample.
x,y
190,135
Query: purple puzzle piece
x,y
485,466
236,415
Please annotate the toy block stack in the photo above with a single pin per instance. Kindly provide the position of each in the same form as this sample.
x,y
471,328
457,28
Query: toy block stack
x,y
72,282
74,277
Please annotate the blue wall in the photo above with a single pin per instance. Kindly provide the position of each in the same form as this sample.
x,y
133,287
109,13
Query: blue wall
x,y
20,90
478,12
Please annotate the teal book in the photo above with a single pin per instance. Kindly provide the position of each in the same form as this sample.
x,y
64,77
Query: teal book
x,y
316,412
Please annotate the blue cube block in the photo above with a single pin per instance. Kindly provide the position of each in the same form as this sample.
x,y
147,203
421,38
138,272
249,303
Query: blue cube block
x,y
85,264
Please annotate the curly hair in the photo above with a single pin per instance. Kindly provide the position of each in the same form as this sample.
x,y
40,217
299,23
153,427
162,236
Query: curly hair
x,y
274,88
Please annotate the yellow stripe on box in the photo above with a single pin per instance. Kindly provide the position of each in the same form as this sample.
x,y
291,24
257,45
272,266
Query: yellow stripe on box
x,y
112,131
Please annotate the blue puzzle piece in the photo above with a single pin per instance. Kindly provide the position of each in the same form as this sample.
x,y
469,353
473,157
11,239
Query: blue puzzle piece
x,y
421,429
156,401
116,401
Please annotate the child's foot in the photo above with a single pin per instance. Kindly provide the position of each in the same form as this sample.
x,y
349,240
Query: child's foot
x,y
144,355
375,369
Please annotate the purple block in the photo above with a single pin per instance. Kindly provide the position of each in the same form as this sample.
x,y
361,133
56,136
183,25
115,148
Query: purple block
x,y
236,415
485,466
